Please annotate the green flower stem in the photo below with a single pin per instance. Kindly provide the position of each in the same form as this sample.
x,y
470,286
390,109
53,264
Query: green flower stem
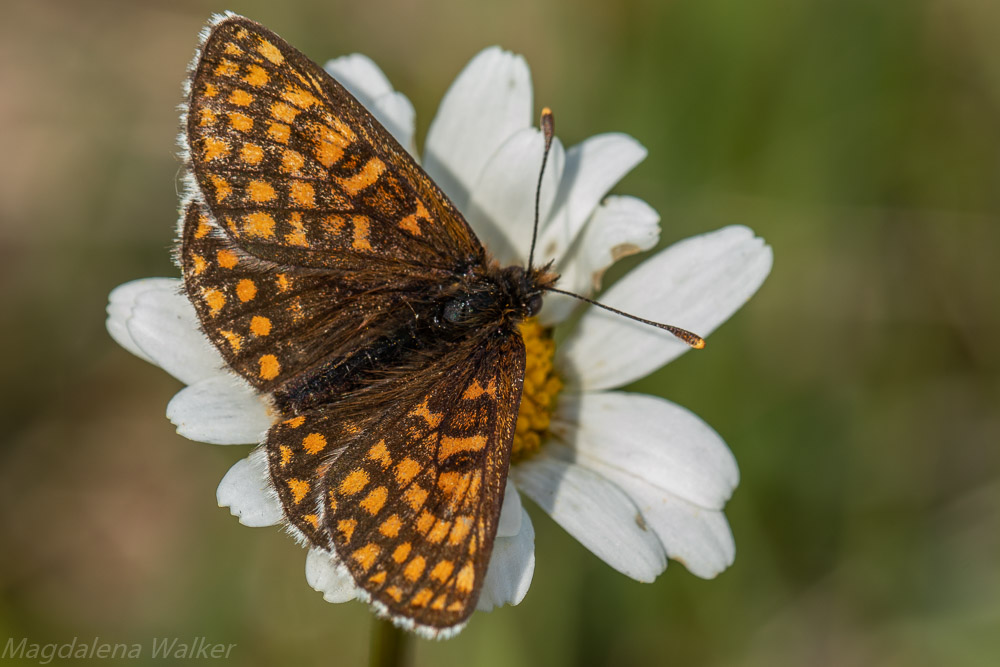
x,y
390,645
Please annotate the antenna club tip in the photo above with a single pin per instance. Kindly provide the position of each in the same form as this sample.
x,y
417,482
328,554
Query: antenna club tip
x,y
692,339
548,122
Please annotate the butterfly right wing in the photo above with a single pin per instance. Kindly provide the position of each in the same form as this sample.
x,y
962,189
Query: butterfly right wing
x,y
405,482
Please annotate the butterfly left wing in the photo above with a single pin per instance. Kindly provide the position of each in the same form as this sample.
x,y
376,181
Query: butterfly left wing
x,y
405,480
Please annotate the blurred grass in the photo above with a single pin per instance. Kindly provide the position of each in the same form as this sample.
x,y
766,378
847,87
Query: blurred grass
x,y
859,389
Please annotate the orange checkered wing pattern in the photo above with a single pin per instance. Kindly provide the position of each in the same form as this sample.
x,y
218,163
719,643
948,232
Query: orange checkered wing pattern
x,y
408,495
338,280
298,172
298,333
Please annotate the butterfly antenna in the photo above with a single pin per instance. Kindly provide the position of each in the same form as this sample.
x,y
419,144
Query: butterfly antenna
x,y
692,339
548,131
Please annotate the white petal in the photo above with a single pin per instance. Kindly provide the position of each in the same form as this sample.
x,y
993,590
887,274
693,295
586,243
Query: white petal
x,y
360,75
594,511
162,325
396,113
698,538
510,514
650,439
696,284
592,169
246,491
326,575
502,208
366,81
511,567
221,411
488,102
121,303
621,226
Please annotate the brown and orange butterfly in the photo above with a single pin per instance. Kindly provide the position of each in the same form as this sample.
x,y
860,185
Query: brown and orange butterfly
x,y
337,279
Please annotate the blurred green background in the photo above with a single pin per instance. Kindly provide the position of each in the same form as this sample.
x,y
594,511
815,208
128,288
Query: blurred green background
x,y
859,389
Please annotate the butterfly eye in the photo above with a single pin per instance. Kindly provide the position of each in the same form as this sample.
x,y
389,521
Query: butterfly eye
x,y
534,304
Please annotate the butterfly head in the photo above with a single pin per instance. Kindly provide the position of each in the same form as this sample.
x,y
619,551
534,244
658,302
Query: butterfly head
x,y
525,287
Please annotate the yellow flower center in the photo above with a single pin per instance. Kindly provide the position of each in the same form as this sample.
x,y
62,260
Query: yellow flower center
x,y
541,385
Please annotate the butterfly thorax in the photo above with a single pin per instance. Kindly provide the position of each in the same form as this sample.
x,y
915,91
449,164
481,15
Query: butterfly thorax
x,y
481,301
495,297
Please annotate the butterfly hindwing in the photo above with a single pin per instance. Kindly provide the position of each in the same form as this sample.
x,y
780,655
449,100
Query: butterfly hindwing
x,y
409,500
254,312
276,324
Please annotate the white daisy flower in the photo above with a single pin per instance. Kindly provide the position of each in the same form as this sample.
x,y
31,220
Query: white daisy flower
x,y
635,478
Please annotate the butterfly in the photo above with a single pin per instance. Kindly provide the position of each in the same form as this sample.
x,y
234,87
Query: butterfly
x,y
337,279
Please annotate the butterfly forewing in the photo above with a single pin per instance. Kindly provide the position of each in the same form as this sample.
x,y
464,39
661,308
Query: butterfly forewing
x,y
319,257
296,171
